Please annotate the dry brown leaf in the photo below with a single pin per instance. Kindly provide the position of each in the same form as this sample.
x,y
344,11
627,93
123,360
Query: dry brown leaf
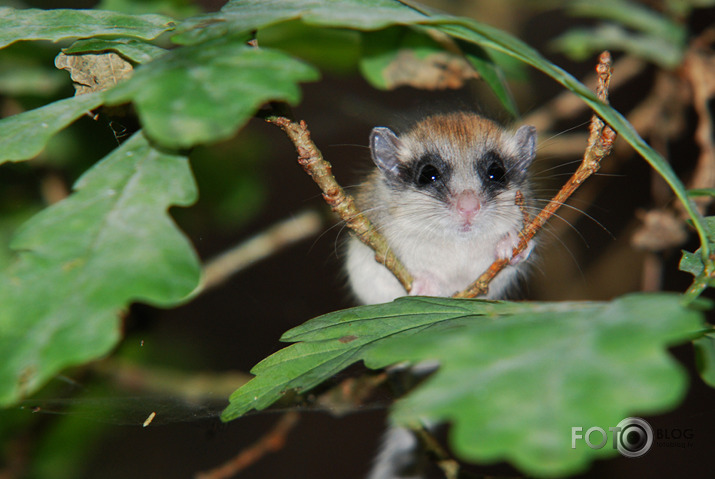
x,y
699,69
434,72
93,72
661,230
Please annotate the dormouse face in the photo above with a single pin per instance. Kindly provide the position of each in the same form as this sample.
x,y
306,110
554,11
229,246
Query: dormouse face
x,y
455,173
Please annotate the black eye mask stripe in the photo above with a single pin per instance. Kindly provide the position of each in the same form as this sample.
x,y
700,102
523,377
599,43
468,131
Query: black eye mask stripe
x,y
429,173
494,173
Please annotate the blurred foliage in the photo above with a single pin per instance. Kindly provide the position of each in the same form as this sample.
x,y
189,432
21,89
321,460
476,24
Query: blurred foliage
x,y
173,8
694,264
705,357
71,248
232,179
60,24
25,70
631,27
332,50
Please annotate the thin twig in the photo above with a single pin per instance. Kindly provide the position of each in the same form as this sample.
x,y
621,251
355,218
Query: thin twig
x,y
271,442
260,246
194,387
350,394
521,203
600,142
311,159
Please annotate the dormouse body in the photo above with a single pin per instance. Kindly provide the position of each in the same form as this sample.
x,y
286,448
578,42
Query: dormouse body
x,y
444,197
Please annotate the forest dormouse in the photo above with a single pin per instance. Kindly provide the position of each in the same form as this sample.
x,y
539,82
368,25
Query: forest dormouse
x,y
443,196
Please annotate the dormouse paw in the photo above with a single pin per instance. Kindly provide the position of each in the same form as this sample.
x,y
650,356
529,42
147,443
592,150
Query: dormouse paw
x,y
506,245
426,285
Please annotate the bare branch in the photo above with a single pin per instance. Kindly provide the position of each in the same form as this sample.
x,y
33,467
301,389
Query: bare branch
x,y
194,387
311,159
260,246
271,442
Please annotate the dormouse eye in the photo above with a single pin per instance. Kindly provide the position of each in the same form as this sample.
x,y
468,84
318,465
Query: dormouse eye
x,y
495,173
428,174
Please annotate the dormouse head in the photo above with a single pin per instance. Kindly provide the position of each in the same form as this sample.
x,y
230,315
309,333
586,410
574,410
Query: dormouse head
x,y
457,170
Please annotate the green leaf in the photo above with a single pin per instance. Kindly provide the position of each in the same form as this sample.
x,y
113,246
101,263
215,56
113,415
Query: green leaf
x,y
204,93
691,263
513,377
581,43
232,192
172,8
633,15
331,49
694,263
249,15
82,261
59,24
492,74
705,357
68,445
683,8
702,192
571,362
134,50
324,352
359,14
24,136
23,75
9,222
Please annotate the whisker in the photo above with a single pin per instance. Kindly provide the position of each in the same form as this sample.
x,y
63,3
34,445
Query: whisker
x,y
572,199
579,210
561,242
556,175
556,215
337,145
568,130
556,167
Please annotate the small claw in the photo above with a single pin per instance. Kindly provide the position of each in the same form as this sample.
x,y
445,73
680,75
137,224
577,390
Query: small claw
x,y
505,248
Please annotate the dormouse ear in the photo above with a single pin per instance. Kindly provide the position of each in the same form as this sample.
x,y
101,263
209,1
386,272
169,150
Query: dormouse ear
x,y
525,139
384,147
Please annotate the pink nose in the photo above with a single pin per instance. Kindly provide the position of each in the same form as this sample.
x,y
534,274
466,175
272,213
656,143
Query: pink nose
x,y
468,204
